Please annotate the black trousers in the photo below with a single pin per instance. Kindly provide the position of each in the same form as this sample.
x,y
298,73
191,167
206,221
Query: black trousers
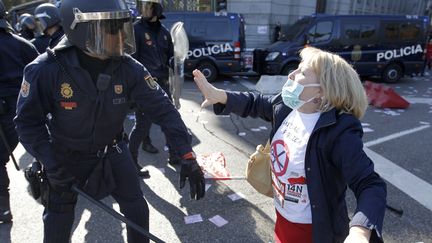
x,y
8,127
128,194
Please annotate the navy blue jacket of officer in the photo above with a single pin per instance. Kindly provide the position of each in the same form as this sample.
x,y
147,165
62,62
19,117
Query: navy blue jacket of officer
x,y
48,20
87,88
154,51
15,53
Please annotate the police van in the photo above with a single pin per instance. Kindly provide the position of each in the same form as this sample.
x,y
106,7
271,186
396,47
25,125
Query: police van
x,y
389,46
216,41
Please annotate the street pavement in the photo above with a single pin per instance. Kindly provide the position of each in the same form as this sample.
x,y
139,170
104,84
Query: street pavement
x,y
395,137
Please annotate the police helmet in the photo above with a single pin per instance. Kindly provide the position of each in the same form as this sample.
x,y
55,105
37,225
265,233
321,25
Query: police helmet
x,y
102,28
47,15
26,21
155,5
2,10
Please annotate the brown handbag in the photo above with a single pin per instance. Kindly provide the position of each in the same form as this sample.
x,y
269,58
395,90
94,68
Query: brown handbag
x,y
258,172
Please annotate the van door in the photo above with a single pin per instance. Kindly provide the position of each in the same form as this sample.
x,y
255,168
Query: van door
x,y
211,37
404,44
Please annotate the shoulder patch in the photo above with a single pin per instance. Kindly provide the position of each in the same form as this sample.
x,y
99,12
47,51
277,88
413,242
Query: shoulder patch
x,y
25,89
150,82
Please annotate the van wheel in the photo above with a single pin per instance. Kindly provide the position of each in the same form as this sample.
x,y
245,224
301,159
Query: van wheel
x,y
289,68
209,70
392,73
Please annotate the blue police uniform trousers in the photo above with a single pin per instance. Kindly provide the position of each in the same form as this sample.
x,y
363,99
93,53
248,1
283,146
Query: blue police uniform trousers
x,y
141,130
58,217
6,121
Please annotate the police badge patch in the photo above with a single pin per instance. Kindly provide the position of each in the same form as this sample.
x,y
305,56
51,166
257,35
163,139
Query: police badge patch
x,y
150,82
25,89
66,90
118,88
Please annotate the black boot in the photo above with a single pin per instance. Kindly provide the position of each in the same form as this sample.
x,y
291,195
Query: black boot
x,y
141,171
5,213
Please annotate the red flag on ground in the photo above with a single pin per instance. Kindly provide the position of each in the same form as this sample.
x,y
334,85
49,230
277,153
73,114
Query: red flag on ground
x,y
214,165
384,97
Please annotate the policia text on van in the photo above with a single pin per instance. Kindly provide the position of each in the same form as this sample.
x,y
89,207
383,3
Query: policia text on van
x,y
389,46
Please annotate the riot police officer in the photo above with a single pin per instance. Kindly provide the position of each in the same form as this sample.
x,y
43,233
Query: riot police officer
x,y
48,21
15,53
154,51
87,83
26,26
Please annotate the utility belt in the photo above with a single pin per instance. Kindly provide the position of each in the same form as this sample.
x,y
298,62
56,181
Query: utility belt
x,y
40,188
98,152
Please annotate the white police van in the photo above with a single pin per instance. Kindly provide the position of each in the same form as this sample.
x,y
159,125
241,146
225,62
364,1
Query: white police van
x,y
389,46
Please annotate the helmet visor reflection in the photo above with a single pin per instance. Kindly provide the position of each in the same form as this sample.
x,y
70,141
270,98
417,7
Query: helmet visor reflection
x,y
110,38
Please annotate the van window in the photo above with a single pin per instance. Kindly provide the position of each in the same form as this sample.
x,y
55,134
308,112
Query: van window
x,y
410,31
391,30
210,29
402,31
320,32
359,31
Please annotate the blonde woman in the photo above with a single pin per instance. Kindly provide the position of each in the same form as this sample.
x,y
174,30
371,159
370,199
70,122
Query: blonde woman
x,y
317,150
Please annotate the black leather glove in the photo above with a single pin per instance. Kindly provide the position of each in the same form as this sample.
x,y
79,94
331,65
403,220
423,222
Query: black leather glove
x,y
192,171
61,180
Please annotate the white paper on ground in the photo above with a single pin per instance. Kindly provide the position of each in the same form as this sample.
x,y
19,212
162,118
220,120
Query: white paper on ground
x,y
218,221
236,196
366,129
193,219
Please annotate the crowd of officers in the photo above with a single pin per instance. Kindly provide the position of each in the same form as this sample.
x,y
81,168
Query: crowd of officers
x,y
68,78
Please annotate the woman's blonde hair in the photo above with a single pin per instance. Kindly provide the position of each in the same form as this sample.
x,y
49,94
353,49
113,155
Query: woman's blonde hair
x,y
341,85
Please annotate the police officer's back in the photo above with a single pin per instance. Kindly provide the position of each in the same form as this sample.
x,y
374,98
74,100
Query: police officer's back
x,y
48,20
15,53
87,83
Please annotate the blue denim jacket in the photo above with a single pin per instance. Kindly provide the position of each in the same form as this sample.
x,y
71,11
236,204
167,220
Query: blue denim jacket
x,y
334,160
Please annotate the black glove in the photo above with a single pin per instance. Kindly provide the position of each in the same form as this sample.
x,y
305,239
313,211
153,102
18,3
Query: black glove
x,y
191,170
60,180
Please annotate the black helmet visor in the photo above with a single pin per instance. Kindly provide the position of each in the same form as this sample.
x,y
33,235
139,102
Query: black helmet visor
x,y
108,34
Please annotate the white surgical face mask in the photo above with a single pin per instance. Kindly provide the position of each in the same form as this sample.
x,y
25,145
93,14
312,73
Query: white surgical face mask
x,y
291,92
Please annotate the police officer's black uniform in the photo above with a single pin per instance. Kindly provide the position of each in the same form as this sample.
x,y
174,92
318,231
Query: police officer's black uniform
x,y
15,53
88,106
41,42
154,51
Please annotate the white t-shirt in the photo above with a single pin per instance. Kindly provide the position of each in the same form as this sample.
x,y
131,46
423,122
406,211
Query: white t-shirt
x,y
288,148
